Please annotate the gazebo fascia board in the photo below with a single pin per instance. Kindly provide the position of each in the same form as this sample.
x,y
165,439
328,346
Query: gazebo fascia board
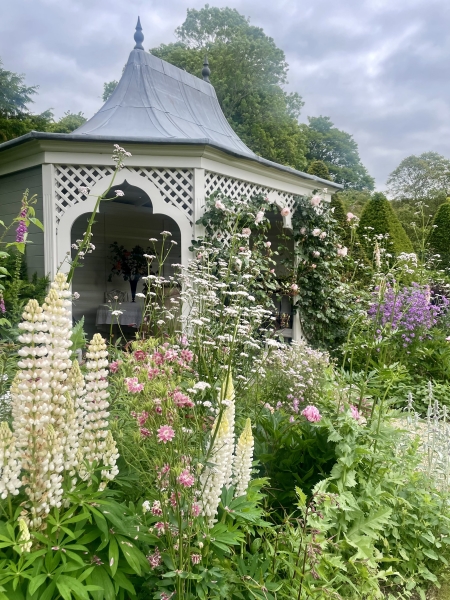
x,y
144,154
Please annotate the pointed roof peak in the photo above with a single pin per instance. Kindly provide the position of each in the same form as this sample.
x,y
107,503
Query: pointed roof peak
x,y
138,36
206,71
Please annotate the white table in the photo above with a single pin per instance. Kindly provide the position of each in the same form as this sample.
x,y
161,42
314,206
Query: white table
x,y
131,314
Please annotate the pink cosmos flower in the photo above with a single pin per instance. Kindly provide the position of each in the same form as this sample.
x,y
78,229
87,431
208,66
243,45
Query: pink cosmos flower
x,y
165,434
133,385
311,413
285,211
196,558
186,479
246,232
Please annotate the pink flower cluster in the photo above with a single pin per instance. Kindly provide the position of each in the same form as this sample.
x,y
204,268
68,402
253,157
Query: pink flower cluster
x,y
311,413
133,385
154,559
114,366
140,355
186,479
181,400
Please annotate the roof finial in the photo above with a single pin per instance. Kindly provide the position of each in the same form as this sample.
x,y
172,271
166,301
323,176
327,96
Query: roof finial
x,y
206,71
138,36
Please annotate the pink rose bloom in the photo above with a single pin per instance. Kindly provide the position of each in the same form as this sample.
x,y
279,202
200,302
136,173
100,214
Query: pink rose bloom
x,y
165,434
313,266
316,254
272,271
311,413
285,211
186,479
323,235
316,232
342,252
220,205
246,232
242,249
315,200
294,287
259,217
268,244
303,230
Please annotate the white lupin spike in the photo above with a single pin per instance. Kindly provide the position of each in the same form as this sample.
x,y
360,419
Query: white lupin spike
x,y
10,465
242,467
227,397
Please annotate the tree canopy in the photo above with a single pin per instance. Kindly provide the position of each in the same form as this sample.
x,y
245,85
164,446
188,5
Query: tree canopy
x,y
15,116
338,151
248,71
423,177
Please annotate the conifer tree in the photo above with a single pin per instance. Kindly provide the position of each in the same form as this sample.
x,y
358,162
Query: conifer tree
x,y
379,218
439,238
320,169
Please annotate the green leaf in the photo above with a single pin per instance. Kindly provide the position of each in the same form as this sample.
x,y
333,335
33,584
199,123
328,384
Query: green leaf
x,y
133,556
37,223
70,584
120,578
36,583
113,554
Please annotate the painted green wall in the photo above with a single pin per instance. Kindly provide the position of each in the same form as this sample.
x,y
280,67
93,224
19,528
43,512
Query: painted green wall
x,y
12,187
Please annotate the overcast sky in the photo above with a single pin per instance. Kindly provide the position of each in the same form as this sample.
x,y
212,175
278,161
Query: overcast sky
x,y
378,68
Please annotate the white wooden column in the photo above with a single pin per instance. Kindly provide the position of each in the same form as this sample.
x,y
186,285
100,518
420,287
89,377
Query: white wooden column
x,y
48,202
199,201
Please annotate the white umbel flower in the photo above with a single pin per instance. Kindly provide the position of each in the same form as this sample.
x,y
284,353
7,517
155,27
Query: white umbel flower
x,y
9,463
242,468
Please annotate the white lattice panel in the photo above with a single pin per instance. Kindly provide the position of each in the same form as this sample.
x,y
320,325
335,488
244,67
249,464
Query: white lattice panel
x,y
238,188
175,185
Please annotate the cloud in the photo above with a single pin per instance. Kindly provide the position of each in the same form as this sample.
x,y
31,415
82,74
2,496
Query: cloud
x,y
376,67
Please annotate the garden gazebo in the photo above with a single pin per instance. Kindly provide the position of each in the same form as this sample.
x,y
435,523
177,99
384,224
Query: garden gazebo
x,y
183,150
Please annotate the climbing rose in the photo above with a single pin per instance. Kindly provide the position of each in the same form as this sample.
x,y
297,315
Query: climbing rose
x,y
315,200
285,211
246,232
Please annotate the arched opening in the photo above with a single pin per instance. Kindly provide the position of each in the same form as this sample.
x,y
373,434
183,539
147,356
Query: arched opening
x,y
128,221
